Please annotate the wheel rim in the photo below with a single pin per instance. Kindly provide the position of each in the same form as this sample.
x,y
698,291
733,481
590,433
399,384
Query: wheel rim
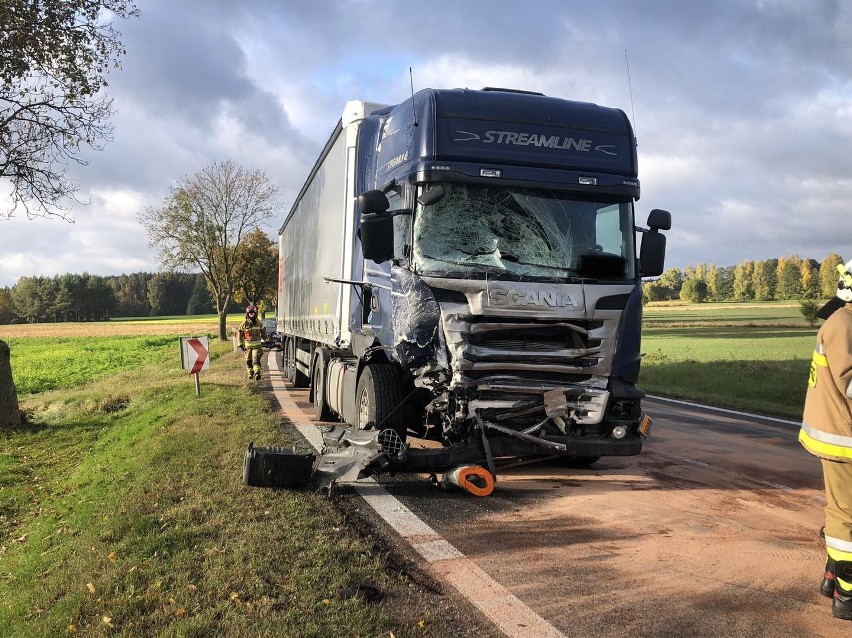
x,y
319,391
363,410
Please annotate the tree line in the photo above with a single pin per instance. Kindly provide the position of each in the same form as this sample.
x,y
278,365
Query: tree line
x,y
793,278
86,297
74,297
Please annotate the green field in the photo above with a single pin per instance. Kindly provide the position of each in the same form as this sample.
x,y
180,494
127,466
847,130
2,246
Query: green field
x,y
46,364
748,356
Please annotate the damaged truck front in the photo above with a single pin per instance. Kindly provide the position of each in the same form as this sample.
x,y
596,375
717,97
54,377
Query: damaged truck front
x,y
462,267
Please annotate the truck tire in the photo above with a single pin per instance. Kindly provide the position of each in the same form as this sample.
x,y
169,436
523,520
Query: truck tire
x,y
294,376
321,410
379,400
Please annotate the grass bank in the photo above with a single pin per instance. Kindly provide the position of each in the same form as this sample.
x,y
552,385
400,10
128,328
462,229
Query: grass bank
x,y
753,357
122,513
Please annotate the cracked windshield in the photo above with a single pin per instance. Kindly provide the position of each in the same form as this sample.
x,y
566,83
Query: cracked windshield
x,y
525,232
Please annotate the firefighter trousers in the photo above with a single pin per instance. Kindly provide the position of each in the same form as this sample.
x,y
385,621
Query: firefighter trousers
x,y
253,355
838,512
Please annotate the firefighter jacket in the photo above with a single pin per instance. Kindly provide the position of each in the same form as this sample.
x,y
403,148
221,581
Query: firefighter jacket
x,y
827,423
252,333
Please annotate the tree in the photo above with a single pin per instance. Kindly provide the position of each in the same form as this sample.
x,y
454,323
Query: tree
x,y
765,279
828,275
131,293
723,285
256,269
656,291
7,307
810,279
27,299
169,293
809,309
672,278
744,281
54,58
204,220
694,290
789,276
199,302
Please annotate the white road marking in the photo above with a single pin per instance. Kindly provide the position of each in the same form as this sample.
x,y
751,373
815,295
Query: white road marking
x,y
496,602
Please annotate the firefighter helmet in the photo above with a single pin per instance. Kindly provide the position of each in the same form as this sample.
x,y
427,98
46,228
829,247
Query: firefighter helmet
x,y
251,308
844,285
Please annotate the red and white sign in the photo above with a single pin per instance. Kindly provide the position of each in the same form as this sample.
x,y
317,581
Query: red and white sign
x,y
195,354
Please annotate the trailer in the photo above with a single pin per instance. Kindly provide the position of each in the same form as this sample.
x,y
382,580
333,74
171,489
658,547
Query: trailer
x,y
463,267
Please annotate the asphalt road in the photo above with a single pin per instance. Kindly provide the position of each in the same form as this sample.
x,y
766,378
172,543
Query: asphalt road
x,y
713,530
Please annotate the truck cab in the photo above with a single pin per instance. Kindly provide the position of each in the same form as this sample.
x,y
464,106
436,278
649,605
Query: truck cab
x,y
494,290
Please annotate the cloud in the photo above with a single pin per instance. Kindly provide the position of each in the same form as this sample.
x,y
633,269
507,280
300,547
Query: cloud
x,y
742,108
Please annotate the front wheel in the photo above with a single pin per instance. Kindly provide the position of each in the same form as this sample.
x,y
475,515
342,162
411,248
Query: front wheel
x,y
380,401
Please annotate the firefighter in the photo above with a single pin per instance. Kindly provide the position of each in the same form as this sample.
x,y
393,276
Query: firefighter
x,y
252,334
827,433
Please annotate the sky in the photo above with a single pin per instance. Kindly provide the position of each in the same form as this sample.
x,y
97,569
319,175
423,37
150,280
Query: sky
x,y
742,109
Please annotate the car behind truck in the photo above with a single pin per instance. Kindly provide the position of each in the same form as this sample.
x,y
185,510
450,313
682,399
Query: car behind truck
x,y
463,267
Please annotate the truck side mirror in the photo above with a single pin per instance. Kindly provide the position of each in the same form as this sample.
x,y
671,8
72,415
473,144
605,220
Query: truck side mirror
x,y
431,196
376,230
652,254
376,237
659,219
373,202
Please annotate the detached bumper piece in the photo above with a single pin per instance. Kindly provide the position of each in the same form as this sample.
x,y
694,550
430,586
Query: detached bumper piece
x,y
349,455
474,479
277,467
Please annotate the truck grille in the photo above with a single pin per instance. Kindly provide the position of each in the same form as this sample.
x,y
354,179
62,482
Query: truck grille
x,y
510,362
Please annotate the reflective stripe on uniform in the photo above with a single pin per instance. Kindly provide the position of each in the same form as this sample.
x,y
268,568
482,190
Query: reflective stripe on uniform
x,y
840,545
840,551
819,360
820,442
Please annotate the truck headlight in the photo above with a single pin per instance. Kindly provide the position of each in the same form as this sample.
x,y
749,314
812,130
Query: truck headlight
x,y
619,431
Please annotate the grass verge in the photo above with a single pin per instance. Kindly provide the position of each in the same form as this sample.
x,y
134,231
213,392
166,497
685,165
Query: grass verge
x,y
123,513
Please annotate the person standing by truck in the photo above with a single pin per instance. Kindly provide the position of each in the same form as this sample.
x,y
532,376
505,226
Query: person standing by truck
x,y
252,334
827,433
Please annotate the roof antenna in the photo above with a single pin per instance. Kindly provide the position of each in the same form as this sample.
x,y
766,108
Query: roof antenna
x,y
630,86
413,112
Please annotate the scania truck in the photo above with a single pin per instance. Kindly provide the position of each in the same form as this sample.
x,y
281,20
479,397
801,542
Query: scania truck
x,y
463,267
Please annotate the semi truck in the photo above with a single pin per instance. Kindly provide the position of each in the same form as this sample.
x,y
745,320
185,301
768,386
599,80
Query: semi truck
x,y
464,267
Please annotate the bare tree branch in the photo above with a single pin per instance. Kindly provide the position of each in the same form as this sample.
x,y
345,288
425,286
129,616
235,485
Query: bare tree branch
x,y
202,224
54,58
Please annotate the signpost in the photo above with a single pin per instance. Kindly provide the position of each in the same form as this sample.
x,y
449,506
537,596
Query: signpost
x,y
195,357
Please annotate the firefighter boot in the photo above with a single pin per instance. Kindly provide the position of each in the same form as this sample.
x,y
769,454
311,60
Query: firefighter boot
x,y
257,374
842,605
250,372
827,587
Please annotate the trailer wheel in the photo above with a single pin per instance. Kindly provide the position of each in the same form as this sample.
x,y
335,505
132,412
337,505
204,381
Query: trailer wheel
x,y
380,401
321,410
288,359
294,376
